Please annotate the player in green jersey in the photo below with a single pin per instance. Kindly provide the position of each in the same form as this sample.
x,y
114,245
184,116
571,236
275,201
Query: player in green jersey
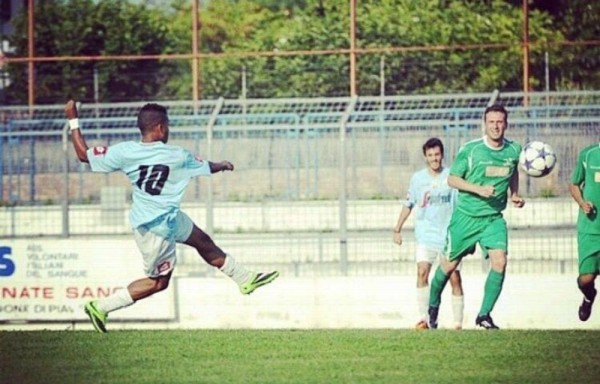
x,y
484,172
585,189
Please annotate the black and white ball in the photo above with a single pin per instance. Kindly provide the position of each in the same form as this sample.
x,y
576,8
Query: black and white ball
x,y
537,159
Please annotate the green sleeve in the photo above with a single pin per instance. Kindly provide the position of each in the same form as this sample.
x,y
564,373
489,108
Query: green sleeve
x,y
578,175
460,167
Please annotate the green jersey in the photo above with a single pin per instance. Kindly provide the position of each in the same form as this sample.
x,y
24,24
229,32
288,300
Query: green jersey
x,y
586,175
481,164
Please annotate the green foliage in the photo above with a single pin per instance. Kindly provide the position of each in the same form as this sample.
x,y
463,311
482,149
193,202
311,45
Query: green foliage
x,y
299,356
91,28
232,32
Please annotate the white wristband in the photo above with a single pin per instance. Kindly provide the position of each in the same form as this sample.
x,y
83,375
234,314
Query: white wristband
x,y
73,124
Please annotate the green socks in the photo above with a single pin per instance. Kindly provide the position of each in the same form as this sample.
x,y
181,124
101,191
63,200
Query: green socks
x,y
437,286
493,287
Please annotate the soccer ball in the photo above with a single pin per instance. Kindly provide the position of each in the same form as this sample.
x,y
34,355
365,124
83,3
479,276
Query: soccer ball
x,y
537,159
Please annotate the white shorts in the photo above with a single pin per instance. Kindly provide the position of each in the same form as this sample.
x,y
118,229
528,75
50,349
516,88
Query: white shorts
x,y
157,240
425,254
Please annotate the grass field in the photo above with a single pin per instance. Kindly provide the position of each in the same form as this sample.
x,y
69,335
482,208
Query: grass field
x,y
300,356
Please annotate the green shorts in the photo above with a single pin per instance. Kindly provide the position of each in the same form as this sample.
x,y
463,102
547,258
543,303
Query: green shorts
x,y
464,232
589,253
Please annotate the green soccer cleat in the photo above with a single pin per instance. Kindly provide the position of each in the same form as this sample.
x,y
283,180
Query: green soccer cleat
x,y
258,280
97,317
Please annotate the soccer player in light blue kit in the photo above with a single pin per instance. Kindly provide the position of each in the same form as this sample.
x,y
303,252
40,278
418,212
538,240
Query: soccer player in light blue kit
x,y
434,201
159,174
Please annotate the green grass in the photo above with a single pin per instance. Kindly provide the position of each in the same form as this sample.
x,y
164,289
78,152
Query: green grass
x,y
300,356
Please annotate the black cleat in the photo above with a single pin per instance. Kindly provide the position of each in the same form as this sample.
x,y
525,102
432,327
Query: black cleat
x,y
485,321
585,309
433,317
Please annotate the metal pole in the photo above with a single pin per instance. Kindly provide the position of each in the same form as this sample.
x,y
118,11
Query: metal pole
x,y
209,144
547,80
65,199
31,170
195,73
96,88
30,49
547,71
343,204
353,48
244,85
525,53
381,129
196,58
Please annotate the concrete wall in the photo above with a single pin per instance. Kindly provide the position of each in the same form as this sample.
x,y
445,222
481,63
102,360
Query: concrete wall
x,y
527,302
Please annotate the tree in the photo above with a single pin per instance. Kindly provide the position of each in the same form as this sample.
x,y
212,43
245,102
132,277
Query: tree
x,y
454,23
580,21
91,28
230,29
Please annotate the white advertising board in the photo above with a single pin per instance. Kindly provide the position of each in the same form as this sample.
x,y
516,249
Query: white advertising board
x,y
51,280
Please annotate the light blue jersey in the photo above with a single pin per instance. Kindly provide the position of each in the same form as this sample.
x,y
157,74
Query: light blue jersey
x,y
159,174
434,201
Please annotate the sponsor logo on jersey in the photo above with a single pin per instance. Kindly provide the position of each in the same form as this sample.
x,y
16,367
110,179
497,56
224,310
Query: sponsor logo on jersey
x,y
100,151
435,199
492,171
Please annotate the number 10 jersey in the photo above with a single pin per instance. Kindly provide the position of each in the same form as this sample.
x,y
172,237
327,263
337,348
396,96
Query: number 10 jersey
x,y
159,174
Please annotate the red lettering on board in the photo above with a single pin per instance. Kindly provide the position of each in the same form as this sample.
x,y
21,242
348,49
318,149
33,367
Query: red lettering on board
x,y
27,293
90,292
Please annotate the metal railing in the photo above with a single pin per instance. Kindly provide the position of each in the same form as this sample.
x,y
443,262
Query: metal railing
x,y
286,151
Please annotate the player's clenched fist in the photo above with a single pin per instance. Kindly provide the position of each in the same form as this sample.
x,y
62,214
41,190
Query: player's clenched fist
x,y
71,110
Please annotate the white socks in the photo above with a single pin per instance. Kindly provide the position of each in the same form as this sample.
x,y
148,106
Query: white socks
x,y
120,299
458,306
423,301
235,271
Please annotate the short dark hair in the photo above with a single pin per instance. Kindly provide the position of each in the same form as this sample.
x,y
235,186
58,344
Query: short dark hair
x,y
432,143
496,108
151,115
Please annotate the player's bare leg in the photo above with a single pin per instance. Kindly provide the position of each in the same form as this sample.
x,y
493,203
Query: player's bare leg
x,y
248,281
98,310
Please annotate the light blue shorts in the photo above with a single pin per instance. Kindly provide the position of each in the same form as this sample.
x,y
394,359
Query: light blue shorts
x,y
157,242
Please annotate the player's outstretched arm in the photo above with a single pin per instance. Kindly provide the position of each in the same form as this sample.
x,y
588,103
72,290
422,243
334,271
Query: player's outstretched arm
x,y
78,141
222,166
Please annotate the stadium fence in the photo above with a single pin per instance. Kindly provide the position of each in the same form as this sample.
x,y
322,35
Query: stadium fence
x,y
318,181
